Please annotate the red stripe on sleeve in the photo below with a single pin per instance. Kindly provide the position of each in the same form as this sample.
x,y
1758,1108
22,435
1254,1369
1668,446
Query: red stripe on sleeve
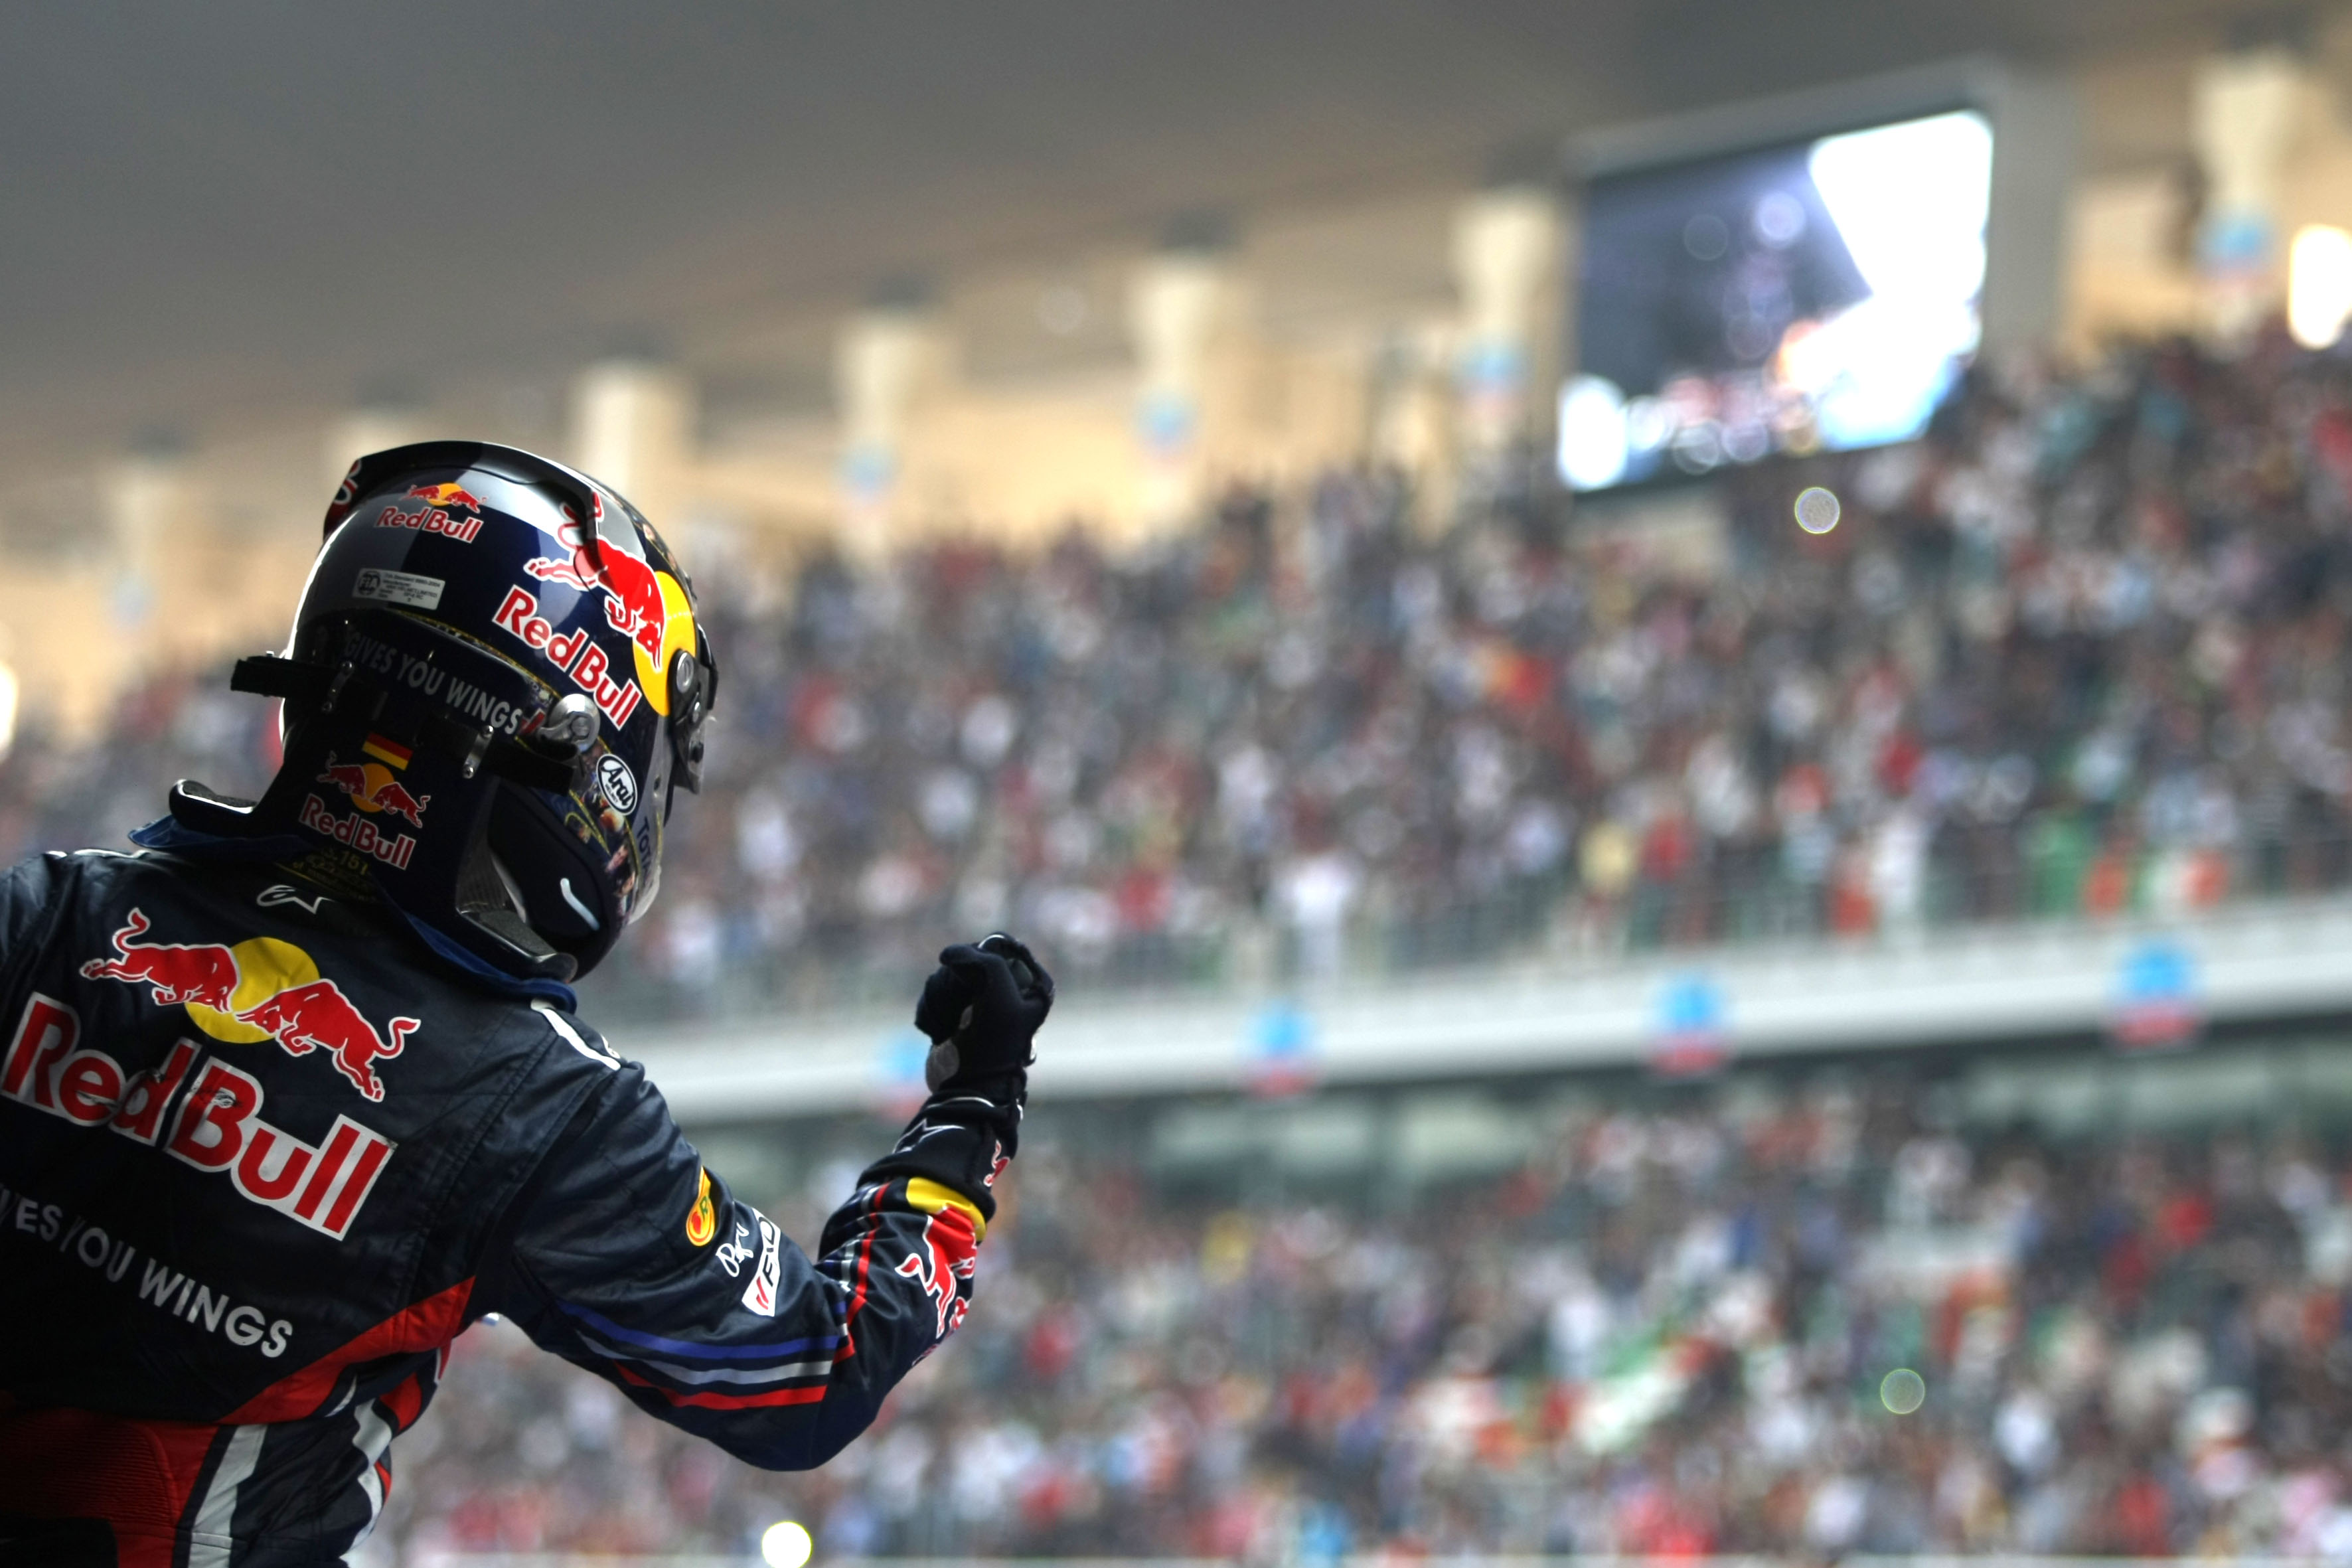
x,y
726,1401
865,1257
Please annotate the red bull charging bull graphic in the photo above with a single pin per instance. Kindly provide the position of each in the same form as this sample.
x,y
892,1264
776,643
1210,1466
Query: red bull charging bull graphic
x,y
217,1126
373,786
949,1253
451,496
260,989
644,604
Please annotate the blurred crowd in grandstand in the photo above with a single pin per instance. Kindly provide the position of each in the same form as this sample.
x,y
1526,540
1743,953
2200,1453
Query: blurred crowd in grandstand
x,y
2083,649
1666,1334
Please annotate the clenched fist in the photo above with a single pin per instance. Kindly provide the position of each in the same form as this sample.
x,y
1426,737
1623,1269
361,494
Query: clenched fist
x,y
981,1009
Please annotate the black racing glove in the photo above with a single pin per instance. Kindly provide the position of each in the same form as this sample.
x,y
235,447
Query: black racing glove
x,y
981,1009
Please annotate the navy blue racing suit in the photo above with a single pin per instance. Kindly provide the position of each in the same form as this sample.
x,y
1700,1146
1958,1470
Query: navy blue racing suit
x,y
263,1156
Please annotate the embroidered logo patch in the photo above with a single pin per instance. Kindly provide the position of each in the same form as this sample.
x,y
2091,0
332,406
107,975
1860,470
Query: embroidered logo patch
x,y
703,1220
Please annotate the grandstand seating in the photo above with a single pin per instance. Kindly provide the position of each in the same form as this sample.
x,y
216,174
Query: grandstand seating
x,y
2079,655
1660,1329
2079,652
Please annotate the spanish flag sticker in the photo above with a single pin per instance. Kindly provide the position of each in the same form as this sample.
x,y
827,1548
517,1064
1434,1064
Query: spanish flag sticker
x,y
703,1220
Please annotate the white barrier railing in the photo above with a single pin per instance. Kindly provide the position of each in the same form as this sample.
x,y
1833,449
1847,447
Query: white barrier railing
x,y
2245,962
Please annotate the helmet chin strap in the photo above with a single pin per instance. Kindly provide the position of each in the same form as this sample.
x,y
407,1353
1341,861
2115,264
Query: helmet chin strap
x,y
489,900
514,891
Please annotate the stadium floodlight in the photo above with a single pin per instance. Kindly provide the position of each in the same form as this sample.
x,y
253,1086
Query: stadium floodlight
x,y
786,1544
2318,285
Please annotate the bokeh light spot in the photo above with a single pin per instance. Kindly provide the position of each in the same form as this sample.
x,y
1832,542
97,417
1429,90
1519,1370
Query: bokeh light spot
x,y
785,1544
1706,236
1818,510
1902,1391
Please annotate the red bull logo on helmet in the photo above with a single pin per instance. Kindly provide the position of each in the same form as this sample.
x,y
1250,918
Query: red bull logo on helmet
x,y
373,786
452,495
356,833
450,510
217,1127
575,653
256,990
433,519
643,603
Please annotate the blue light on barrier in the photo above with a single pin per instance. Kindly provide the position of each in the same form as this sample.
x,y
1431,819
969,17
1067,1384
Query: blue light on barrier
x,y
1281,1050
2156,1005
1693,1032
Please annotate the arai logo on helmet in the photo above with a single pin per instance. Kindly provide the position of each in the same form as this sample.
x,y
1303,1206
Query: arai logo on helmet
x,y
619,784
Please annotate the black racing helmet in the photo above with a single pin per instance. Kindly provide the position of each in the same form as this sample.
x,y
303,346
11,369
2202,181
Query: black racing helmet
x,y
496,682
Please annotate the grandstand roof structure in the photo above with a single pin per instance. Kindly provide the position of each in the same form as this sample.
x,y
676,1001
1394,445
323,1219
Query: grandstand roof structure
x,y
418,190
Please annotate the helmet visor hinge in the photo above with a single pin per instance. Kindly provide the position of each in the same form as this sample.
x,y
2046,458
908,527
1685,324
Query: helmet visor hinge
x,y
692,685
478,751
569,727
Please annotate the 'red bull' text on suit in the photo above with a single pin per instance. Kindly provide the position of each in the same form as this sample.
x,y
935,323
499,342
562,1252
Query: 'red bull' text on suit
x,y
263,1155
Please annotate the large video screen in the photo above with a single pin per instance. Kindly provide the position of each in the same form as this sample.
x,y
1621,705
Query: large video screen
x,y
1813,297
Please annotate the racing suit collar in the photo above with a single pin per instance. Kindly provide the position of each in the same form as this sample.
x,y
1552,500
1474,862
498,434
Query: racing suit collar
x,y
170,835
497,979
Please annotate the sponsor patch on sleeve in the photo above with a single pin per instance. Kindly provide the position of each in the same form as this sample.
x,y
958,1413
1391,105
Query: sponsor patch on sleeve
x,y
403,588
702,1219
759,1292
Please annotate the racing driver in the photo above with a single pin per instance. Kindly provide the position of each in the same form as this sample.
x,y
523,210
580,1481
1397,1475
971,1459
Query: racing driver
x,y
296,1092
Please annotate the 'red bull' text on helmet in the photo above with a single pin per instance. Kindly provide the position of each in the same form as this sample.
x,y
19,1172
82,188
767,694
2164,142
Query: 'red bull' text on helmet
x,y
495,684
